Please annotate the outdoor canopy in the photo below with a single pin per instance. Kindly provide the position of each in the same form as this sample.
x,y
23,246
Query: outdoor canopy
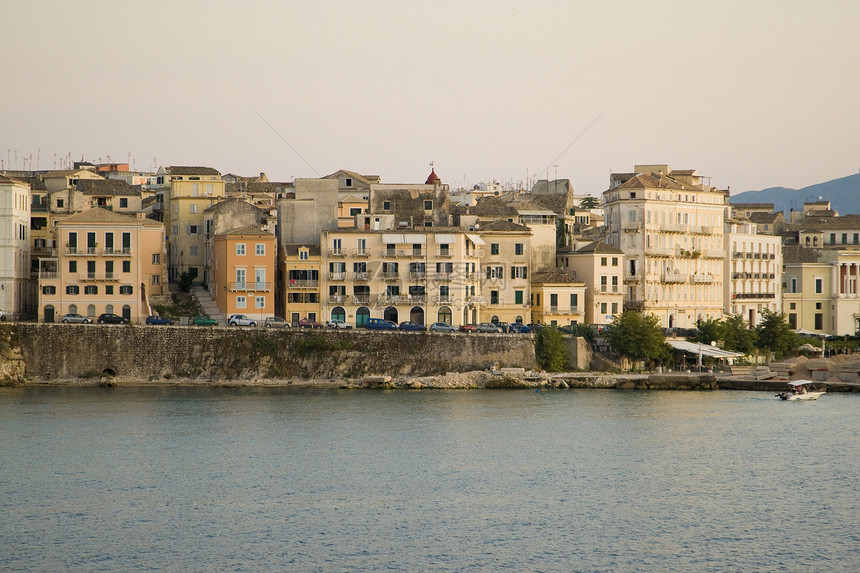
x,y
704,349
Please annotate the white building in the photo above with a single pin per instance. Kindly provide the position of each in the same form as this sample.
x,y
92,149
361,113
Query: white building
x,y
14,245
753,272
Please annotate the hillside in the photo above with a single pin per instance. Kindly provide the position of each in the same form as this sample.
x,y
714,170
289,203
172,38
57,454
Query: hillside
x,y
843,194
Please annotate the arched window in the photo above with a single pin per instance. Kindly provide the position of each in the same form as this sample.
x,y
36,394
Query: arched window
x,y
494,319
126,312
390,314
337,313
73,309
91,310
445,315
519,320
109,308
417,314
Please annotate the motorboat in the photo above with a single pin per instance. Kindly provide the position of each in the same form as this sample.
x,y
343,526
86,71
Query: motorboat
x,y
801,390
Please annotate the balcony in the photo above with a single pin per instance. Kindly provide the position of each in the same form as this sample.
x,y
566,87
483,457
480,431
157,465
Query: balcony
x,y
445,277
634,305
417,253
294,283
391,275
659,252
395,299
674,278
442,299
361,252
336,299
363,276
48,275
250,286
444,253
44,252
631,227
565,310
632,278
753,295
361,299
336,253
337,276
115,252
673,228
703,278
417,275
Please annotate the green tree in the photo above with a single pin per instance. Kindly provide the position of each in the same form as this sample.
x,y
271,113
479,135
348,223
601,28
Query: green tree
x,y
708,330
775,335
737,336
589,202
636,336
550,351
186,279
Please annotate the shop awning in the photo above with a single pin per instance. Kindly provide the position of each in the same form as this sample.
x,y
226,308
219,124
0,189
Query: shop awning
x,y
705,349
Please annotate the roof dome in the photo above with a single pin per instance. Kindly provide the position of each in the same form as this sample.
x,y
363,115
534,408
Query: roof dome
x,y
432,178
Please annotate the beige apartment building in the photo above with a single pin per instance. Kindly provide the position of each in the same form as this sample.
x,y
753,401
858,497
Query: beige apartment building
x,y
669,224
243,272
191,191
506,267
425,275
300,285
14,245
106,263
753,272
600,267
557,299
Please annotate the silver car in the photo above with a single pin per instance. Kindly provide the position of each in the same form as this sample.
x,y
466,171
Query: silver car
x,y
337,323
489,327
240,320
76,318
441,327
276,322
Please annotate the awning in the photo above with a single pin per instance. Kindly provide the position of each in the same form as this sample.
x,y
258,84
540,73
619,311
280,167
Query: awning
x,y
393,238
705,349
475,239
414,239
445,239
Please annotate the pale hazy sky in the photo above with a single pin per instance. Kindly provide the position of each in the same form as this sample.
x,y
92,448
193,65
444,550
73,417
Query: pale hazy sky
x,y
753,93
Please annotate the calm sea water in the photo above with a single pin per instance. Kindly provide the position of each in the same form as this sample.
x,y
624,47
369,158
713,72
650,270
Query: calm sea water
x,y
256,479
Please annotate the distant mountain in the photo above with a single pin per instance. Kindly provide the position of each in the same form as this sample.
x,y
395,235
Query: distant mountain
x,y
843,194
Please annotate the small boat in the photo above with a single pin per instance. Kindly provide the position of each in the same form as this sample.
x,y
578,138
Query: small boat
x,y
801,390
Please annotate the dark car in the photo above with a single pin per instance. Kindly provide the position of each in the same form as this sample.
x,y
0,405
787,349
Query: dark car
x,y
379,324
519,328
411,326
308,323
158,320
468,328
111,318
204,320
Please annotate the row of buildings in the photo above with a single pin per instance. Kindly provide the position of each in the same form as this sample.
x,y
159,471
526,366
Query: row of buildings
x,y
99,238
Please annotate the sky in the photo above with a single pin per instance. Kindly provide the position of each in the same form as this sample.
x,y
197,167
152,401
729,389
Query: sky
x,y
753,94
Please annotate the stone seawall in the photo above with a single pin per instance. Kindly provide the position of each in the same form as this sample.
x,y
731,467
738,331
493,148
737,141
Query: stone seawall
x,y
60,352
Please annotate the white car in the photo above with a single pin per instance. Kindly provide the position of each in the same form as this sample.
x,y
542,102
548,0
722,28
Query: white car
x,y
337,323
240,320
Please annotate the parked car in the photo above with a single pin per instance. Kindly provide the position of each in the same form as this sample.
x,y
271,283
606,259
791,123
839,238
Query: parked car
x,y
489,327
338,323
240,320
111,318
380,324
76,318
535,326
204,320
154,319
519,328
468,328
308,323
275,322
411,326
504,326
441,327
3,316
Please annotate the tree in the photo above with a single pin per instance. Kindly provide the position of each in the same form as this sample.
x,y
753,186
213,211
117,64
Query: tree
x,y
737,336
775,335
708,330
636,336
589,202
550,351
186,279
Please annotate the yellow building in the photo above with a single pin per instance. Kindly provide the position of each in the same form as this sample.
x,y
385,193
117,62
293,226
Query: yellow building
x,y
300,272
426,275
106,263
192,191
557,299
506,266
601,268
243,270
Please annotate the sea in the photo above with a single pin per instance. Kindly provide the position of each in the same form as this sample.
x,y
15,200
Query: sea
x,y
177,478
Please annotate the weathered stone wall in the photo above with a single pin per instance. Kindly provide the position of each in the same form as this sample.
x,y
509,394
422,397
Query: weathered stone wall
x,y
56,352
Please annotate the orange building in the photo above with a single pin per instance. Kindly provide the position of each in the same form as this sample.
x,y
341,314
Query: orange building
x,y
243,272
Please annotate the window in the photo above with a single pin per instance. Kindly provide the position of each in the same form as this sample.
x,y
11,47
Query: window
x,y
240,278
73,266
819,321
518,249
614,261
126,289
819,286
832,238
602,308
108,289
192,250
260,302
518,297
156,280
49,290
348,182
494,248
156,259
494,297
240,249
615,284
386,205
602,261
295,297
91,289
303,255
614,308
193,208
519,272
123,203
240,302
73,289
603,283
574,300
353,211
60,203
193,229
817,306
260,249
428,205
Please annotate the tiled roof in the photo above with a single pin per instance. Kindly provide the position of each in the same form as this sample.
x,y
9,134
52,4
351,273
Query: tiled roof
x,y
747,206
502,225
600,247
36,184
366,179
292,250
643,181
113,187
7,179
799,254
184,170
255,231
100,215
231,202
553,277
830,223
764,218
